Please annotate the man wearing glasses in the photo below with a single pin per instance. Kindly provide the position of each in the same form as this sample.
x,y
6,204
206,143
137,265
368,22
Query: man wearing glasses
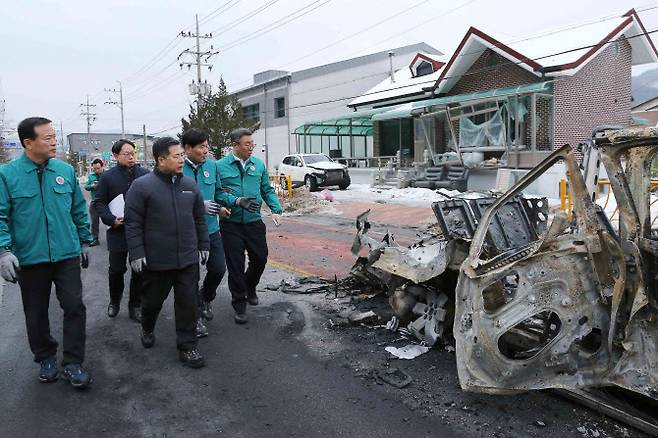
x,y
114,183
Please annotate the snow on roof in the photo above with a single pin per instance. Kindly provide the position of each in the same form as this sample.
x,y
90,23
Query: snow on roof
x,y
404,86
565,46
560,52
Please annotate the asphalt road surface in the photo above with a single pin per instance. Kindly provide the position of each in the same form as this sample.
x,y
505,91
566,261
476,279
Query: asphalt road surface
x,y
292,371
260,379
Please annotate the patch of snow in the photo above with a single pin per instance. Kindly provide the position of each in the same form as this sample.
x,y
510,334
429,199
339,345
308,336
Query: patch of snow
x,y
413,197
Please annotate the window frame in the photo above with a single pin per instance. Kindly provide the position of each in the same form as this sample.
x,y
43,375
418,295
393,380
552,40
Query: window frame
x,y
279,111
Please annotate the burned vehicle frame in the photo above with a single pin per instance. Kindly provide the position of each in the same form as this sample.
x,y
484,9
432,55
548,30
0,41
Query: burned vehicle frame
x,y
420,279
577,307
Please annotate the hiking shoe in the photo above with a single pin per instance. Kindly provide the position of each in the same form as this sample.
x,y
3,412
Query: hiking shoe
x,y
201,329
240,318
135,313
49,370
191,358
252,299
206,310
76,375
148,339
112,310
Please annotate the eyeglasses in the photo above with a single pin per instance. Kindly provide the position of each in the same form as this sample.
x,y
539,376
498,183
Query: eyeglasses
x,y
177,156
127,154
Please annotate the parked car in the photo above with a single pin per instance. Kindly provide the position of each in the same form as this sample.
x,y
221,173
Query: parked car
x,y
314,170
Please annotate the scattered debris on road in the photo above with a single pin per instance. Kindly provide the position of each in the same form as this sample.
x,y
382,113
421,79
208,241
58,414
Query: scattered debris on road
x,y
410,351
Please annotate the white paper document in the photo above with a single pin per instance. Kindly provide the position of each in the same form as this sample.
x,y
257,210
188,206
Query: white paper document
x,y
117,206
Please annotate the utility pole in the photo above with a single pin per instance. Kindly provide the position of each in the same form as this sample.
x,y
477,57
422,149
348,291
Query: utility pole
x,y
86,112
61,132
201,88
145,148
118,103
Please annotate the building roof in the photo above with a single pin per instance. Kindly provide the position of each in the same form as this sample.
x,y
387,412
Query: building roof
x,y
405,87
418,107
647,105
341,65
560,53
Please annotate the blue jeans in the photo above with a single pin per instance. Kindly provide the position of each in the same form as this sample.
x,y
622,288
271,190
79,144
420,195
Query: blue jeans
x,y
216,267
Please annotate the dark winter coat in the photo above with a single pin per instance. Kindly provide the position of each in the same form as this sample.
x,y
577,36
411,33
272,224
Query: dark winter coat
x,y
165,221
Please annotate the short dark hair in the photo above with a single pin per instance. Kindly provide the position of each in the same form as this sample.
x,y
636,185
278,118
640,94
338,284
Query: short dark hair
x,y
161,147
237,134
26,128
194,136
97,161
116,147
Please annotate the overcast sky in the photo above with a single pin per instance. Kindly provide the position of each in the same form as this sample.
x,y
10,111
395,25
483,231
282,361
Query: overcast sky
x,y
54,53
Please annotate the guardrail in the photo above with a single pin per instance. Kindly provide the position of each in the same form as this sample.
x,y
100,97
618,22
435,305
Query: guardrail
x,y
282,185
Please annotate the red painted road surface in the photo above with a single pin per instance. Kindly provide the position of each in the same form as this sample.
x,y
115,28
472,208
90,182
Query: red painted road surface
x,y
323,249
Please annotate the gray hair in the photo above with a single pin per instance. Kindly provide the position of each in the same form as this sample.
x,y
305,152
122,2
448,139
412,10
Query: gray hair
x,y
238,133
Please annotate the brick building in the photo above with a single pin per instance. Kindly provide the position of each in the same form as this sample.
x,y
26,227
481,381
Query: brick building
x,y
507,104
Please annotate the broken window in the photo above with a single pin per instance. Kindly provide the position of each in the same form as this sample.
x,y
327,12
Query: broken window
x,y
530,336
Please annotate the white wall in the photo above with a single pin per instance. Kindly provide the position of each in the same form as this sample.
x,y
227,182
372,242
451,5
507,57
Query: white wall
x,y
336,88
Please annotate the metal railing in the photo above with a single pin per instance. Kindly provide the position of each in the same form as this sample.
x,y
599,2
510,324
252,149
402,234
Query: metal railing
x,y
566,198
367,162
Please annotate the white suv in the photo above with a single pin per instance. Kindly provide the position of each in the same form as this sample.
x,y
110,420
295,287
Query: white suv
x,y
314,170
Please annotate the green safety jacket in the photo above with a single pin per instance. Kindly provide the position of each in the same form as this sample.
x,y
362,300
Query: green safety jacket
x,y
42,222
210,186
251,181
93,178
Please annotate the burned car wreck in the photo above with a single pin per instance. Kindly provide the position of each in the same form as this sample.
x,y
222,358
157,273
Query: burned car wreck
x,y
420,279
537,302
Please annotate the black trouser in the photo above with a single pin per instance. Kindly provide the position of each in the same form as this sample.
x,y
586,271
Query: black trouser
x,y
36,282
238,238
157,285
116,271
95,219
216,268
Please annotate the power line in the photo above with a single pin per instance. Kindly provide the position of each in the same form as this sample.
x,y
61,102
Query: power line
x,y
158,86
416,26
350,36
275,25
242,19
220,10
166,129
389,18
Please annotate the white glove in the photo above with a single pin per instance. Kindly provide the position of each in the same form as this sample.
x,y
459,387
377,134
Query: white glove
x,y
211,207
9,266
138,265
203,255
84,256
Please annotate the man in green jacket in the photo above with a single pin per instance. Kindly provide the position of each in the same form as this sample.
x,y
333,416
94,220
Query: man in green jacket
x,y
92,183
204,172
44,237
245,177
